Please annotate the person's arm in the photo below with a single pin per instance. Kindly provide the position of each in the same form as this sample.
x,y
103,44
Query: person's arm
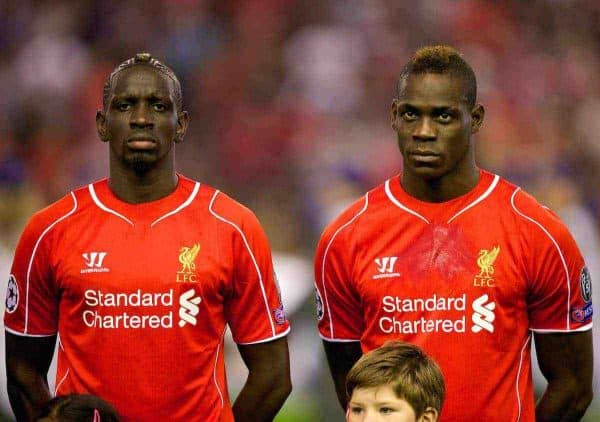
x,y
27,363
341,356
268,384
566,361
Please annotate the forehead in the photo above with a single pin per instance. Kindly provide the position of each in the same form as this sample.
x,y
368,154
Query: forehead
x,y
142,80
433,89
384,393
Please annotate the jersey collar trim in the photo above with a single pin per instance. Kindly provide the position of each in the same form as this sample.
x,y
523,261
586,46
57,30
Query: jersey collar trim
x,y
104,207
187,202
480,198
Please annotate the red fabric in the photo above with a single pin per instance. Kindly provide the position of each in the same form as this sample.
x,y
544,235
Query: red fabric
x,y
393,267
165,359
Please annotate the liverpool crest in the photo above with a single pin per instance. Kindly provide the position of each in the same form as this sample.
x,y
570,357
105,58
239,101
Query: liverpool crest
x,y
485,261
187,258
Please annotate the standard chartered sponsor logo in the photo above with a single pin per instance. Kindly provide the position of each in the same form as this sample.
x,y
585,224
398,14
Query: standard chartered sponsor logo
x,y
434,314
483,314
398,324
189,308
138,309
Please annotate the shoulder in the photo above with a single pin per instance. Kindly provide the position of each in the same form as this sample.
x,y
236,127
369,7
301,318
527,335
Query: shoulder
x,y
229,211
52,215
537,219
357,215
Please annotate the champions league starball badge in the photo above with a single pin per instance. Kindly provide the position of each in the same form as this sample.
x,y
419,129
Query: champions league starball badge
x,y
319,302
12,295
585,282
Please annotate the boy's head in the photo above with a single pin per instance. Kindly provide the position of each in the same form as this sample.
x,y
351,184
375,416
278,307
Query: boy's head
x,y
396,381
78,407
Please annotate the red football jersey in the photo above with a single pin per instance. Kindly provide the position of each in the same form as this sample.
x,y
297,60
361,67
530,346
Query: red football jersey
x,y
140,296
468,280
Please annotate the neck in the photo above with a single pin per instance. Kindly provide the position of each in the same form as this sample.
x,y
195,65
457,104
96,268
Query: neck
x,y
442,189
136,188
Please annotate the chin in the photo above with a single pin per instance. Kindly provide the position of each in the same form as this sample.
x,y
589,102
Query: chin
x,y
140,165
427,173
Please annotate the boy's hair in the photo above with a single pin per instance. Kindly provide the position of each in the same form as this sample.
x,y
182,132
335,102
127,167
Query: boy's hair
x,y
441,59
79,407
412,375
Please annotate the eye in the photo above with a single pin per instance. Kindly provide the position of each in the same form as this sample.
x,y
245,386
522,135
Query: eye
x,y
386,410
356,410
409,115
123,106
445,118
159,106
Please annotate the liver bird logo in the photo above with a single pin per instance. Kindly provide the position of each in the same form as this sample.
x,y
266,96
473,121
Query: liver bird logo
x,y
187,256
485,261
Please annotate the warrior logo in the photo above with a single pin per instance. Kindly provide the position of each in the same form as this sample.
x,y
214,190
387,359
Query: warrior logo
x,y
93,262
585,282
385,267
187,256
483,315
189,308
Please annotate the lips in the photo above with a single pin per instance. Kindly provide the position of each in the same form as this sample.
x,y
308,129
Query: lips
x,y
141,142
424,156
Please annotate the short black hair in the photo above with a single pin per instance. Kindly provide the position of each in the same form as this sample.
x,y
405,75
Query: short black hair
x,y
441,59
143,59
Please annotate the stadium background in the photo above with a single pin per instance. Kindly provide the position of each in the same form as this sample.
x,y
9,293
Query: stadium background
x,y
289,102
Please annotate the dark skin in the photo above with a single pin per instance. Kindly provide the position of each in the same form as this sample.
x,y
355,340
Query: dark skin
x,y
434,124
141,125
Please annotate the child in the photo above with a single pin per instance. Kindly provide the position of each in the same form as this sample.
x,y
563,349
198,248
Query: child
x,y
396,382
76,408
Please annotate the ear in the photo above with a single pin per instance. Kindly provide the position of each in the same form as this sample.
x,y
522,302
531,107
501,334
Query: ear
x,y
394,114
429,415
101,125
477,114
183,119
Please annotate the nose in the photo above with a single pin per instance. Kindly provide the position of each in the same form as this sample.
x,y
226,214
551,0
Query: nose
x,y
424,130
141,117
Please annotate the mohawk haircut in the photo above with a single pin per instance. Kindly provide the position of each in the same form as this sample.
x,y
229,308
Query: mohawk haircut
x,y
441,59
143,59
411,374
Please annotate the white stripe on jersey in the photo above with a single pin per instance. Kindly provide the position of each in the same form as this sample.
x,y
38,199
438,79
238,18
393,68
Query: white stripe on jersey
x,y
364,208
519,375
265,340
104,207
262,287
215,369
562,258
481,197
182,206
33,256
392,198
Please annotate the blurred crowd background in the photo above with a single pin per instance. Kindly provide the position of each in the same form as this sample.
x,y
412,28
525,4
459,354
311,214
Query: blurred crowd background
x,y
289,104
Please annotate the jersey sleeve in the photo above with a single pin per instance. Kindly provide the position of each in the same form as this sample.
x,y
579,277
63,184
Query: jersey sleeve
x,y
339,311
32,296
560,289
254,309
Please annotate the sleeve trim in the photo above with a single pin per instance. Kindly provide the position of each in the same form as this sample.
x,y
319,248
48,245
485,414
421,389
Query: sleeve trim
x,y
586,327
37,243
364,208
266,340
25,334
260,279
338,340
560,254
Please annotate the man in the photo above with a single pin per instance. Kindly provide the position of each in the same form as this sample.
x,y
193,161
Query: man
x,y
460,262
139,274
